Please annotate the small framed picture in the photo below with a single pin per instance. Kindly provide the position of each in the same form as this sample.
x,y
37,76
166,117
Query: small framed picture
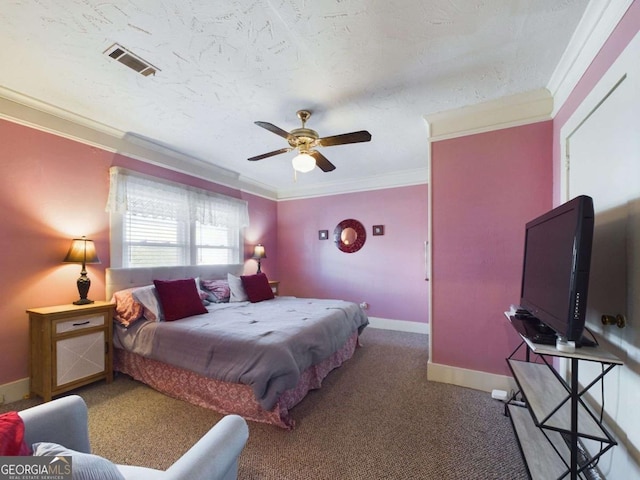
x,y
378,229
323,234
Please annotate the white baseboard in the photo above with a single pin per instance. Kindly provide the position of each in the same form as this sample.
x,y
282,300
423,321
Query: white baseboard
x,y
462,377
469,378
399,325
14,391
436,372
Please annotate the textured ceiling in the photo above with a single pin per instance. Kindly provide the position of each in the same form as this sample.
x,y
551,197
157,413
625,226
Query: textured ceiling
x,y
379,65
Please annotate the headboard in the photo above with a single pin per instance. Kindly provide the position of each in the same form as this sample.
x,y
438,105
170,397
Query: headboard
x,y
121,278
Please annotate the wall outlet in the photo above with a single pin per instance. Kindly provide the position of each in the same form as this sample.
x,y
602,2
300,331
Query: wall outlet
x,y
364,305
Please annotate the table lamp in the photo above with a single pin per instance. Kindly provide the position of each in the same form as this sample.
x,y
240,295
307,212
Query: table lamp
x,y
82,251
258,254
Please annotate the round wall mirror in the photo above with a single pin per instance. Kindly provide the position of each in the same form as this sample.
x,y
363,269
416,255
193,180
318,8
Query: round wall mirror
x,y
349,235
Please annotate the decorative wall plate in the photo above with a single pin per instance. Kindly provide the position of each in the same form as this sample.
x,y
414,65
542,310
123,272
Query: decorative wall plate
x,y
349,235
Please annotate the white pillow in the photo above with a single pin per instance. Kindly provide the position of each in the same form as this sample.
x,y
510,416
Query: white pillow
x,y
84,466
238,293
148,297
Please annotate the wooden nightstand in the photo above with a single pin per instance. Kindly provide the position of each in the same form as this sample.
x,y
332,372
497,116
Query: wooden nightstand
x,y
275,286
71,346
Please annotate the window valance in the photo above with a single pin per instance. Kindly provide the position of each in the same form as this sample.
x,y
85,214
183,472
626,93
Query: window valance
x,y
131,192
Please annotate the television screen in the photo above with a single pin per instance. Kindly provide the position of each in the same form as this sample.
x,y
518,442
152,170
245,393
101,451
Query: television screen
x,y
555,275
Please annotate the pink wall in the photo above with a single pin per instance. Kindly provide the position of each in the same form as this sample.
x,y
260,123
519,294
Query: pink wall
x,y
471,287
624,32
388,272
51,190
263,215
485,188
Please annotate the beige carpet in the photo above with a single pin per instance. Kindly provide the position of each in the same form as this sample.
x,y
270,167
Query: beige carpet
x,y
377,417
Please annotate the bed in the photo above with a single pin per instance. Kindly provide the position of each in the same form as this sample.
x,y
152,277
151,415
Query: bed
x,y
257,359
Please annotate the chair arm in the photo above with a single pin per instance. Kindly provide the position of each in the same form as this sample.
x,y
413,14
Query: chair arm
x,y
63,421
215,455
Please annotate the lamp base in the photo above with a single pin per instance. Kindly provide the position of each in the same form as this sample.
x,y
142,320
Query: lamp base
x,y
83,301
83,288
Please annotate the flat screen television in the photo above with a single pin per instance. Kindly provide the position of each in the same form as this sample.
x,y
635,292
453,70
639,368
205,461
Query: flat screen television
x,y
555,274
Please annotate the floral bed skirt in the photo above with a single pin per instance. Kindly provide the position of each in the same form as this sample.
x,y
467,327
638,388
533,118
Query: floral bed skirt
x,y
226,397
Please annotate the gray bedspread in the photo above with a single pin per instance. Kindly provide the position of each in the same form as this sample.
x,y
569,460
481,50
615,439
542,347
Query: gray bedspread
x,y
266,345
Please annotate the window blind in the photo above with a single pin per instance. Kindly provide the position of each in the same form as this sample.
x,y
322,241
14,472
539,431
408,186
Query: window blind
x,y
164,223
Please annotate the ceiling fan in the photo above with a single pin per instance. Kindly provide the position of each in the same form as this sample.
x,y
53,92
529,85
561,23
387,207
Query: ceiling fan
x,y
306,140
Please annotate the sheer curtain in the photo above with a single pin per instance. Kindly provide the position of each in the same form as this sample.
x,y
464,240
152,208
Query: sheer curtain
x,y
140,195
130,192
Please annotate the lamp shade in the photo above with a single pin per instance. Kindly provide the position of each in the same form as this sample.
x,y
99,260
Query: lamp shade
x,y
82,250
303,163
259,251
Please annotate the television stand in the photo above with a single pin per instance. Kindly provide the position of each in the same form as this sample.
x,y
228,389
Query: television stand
x,y
531,328
556,418
586,342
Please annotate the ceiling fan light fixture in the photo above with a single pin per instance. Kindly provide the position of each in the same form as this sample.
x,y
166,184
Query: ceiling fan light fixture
x,y
303,163
305,141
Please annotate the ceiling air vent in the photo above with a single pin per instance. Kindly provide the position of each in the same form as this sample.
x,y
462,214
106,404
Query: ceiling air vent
x,y
131,60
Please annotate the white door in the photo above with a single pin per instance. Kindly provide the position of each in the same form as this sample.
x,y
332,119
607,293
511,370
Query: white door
x,y
602,146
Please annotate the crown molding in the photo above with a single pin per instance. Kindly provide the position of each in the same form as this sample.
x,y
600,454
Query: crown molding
x,y
512,111
403,178
253,187
32,113
27,111
23,110
133,144
595,27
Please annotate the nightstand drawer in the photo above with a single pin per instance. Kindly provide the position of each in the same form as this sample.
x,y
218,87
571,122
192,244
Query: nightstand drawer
x,y
80,323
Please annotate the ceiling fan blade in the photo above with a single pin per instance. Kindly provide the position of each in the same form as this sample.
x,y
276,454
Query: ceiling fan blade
x,y
270,154
322,162
353,137
272,128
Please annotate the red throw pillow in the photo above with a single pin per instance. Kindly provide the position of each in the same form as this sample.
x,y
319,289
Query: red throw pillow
x,y
12,436
179,298
257,287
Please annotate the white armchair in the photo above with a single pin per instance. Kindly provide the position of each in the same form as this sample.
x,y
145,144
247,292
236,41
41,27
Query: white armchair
x,y
214,457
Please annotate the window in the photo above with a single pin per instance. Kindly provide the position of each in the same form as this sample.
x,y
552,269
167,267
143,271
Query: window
x,y
159,223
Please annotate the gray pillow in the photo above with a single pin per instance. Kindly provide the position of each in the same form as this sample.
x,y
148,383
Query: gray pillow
x,y
85,466
148,297
238,293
